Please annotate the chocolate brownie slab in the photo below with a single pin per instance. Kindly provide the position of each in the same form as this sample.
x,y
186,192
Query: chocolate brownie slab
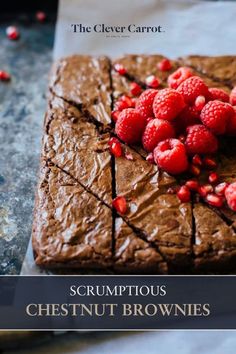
x,y
84,81
134,255
219,68
161,218
67,231
215,242
75,144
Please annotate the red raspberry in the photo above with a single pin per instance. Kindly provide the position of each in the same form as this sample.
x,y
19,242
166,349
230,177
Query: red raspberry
x,y
170,155
120,204
145,102
179,76
12,33
152,81
4,76
215,115
167,104
164,65
192,88
115,147
156,130
199,103
135,89
200,140
231,126
232,97
230,195
184,194
188,116
120,69
130,126
218,94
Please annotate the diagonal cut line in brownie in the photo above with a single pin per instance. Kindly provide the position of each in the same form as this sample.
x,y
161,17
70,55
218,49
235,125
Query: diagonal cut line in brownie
x,y
219,68
84,80
66,231
215,247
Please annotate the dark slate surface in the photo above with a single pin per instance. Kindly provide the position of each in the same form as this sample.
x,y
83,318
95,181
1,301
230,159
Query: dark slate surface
x,y
22,106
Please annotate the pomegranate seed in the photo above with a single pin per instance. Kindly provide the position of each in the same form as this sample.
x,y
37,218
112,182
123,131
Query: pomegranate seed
x,y
115,147
209,163
115,115
40,16
213,177
129,156
12,33
200,103
164,65
135,89
182,138
195,170
214,200
4,76
205,189
171,190
120,69
184,194
197,160
119,203
192,185
152,81
150,158
220,188
123,102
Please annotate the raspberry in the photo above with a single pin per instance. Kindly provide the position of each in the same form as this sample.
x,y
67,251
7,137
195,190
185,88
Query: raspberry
x,y
231,126
200,140
120,204
188,116
135,89
215,115
115,147
218,94
230,195
214,200
130,126
12,33
192,88
170,155
179,76
120,69
145,102
167,104
4,76
232,97
115,115
184,194
199,103
164,65
152,81
156,130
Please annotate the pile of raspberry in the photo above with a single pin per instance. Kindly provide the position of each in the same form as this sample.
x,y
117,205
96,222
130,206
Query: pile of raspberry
x,y
179,127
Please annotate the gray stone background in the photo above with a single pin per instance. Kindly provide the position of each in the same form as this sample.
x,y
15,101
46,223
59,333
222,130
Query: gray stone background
x,y
22,106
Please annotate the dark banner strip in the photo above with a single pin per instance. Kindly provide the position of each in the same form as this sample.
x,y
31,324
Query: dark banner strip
x,y
117,302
